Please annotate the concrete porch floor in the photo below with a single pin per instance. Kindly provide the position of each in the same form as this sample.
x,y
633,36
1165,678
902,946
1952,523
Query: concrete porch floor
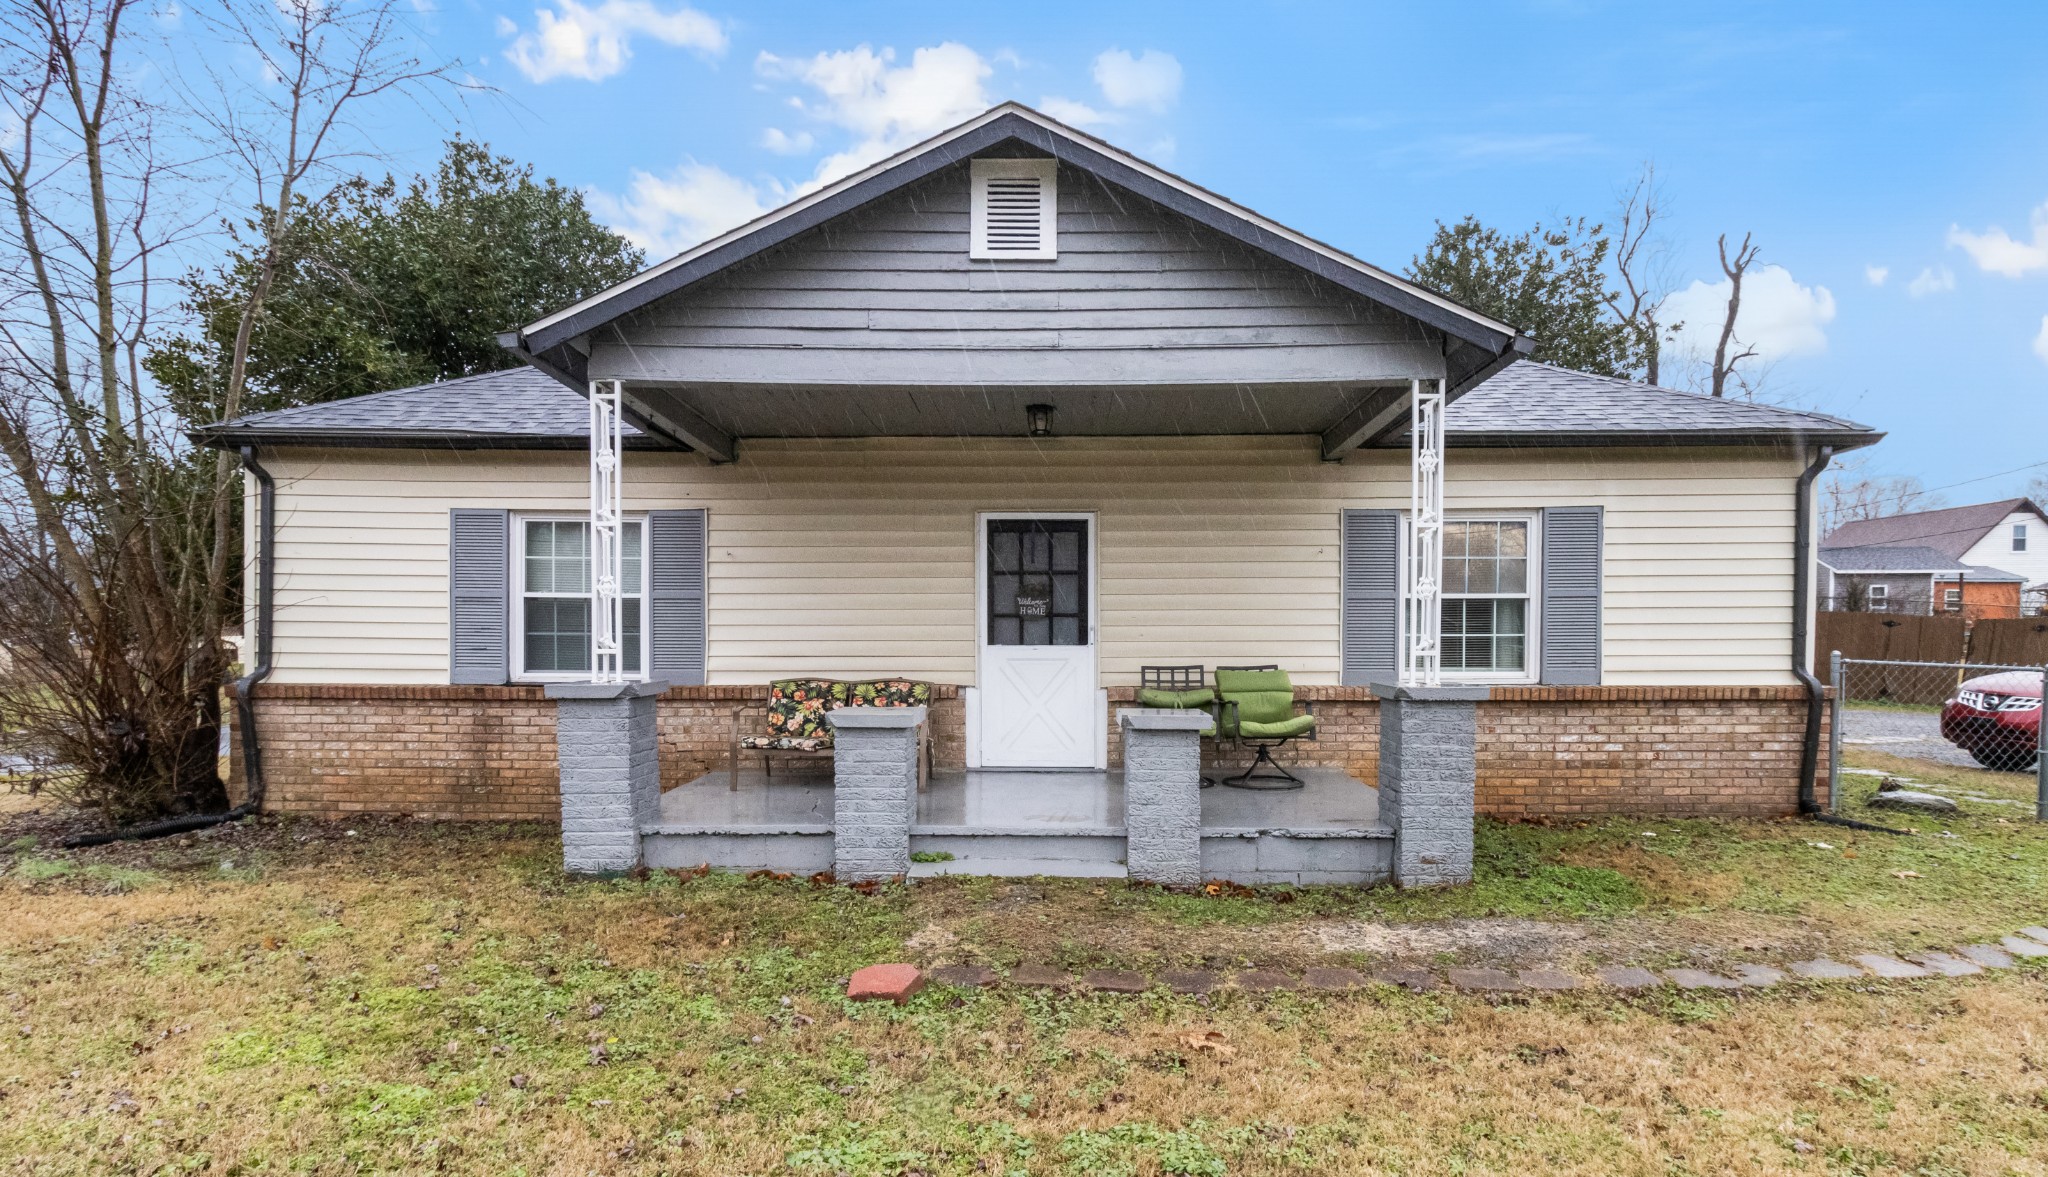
x,y
1007,801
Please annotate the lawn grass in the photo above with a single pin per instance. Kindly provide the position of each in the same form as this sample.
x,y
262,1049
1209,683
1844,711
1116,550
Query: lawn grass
x,y
436,997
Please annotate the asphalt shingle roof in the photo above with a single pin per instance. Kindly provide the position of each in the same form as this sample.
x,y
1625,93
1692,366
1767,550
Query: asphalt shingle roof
x,y
1950,530
1526,401
1532,397
1904,559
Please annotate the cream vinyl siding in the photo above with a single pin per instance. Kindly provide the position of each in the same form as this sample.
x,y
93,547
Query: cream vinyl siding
x,y
857,558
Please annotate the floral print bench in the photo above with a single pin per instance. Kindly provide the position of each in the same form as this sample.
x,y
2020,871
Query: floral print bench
x,y
797,725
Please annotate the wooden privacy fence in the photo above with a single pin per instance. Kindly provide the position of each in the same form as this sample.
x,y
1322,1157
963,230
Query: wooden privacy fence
x,y
1879,642
2010,641
1880,637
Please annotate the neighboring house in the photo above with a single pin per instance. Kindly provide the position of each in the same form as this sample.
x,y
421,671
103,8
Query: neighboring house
x,y
2010,535
1914,580
1020,415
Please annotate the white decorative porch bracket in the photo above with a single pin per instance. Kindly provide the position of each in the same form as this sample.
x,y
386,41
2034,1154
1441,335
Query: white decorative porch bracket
x,y
606,739
1422,574
607,552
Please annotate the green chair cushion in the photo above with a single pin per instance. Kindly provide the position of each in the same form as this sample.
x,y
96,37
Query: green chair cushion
x,y
1286,729
1235,682
1160,697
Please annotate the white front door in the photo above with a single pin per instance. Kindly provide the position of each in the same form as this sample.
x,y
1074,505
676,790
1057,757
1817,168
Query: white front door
x,y
1037,698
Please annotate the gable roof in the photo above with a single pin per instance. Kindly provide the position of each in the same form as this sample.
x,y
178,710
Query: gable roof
x,y
1948,530
1526,404
1907,560
545,341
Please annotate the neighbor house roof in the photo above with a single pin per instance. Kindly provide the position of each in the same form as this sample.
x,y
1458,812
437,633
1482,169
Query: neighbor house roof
x,y
1950,530
546,341
1525,404
1907,560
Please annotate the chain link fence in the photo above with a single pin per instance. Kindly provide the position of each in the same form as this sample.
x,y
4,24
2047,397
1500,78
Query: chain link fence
x,y
1963,715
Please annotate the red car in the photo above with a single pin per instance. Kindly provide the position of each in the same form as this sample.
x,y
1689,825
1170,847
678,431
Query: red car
x,y
1996,718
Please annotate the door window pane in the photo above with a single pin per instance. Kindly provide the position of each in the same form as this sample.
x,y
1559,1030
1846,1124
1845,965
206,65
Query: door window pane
x,y
1037,582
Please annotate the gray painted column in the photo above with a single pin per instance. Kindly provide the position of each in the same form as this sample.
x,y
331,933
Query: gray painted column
x,y
1163,794
611,775
874,790
1428,777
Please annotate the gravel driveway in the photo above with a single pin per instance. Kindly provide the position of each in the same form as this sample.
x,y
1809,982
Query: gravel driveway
x,y
1901,733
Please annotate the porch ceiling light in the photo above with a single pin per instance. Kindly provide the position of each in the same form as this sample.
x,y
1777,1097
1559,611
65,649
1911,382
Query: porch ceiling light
x,y
1038,419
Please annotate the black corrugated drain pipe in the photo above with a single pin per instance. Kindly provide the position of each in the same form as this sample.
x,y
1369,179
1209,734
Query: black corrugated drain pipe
x,y
1816,695
245,701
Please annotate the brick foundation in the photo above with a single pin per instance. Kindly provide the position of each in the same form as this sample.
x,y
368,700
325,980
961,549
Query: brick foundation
x,y
488,753
1668,751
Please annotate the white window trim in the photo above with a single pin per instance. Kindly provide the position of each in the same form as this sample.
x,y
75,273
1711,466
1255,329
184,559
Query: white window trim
x,y
1046,171
2019,537
1532,648
1877,598
517,613
1951,599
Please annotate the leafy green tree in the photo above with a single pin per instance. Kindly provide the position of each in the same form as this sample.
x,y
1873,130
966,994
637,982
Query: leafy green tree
x,y
384,285
1549,281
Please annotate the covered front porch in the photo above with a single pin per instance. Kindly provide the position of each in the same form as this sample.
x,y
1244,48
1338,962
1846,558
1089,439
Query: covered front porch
x,y
1020,823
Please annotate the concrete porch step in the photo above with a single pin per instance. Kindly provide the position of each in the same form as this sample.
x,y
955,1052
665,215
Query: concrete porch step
x,y
1019,868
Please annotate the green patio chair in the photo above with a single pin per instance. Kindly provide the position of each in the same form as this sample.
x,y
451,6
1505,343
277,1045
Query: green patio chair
x,y
1257,708
1181,688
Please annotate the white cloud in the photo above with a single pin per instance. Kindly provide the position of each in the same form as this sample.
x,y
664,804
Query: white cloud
x,y
1997,251
888,106
2041,341
781,142
1779,317
1932,280
574,40
1150,80
1076,114
1875,275
667,214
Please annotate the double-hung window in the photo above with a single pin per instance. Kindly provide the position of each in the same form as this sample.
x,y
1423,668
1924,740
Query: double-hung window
x,y
1489,599
2019,537
551,625
1878,597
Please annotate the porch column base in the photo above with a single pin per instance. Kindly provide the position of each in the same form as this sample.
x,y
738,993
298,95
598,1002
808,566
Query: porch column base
x,y
611,776
874,790
1428,775
1163,794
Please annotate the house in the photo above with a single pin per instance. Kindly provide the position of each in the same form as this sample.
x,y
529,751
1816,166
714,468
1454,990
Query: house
x,y
1020,415
2010,535
1914,580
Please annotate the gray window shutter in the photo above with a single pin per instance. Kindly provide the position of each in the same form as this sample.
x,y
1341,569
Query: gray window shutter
x,y
479,568
675,544
1571,596
1372,596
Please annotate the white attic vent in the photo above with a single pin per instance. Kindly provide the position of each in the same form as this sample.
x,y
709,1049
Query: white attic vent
x,y
1013,209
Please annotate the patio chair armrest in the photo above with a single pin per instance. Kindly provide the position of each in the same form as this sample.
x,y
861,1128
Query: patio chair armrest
x,y
1308,707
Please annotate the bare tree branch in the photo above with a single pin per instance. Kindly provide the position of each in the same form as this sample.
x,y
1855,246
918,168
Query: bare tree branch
x,y
1726,358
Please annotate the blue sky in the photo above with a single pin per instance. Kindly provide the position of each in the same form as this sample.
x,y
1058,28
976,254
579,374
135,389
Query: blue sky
x,y
1891,159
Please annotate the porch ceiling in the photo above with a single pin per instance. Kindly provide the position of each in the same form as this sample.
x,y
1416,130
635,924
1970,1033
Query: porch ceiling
x,y
712,417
